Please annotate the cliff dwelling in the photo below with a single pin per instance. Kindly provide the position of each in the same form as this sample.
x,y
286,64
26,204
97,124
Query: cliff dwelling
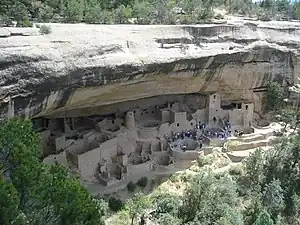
x,y
111,148
112,103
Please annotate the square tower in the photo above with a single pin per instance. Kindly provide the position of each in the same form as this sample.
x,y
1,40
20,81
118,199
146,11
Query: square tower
x,y
214,106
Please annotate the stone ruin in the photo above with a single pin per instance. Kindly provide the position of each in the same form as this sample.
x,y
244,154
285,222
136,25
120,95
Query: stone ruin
x,y
111,148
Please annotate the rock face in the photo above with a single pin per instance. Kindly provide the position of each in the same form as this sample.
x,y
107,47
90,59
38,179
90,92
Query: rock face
x,y
78,69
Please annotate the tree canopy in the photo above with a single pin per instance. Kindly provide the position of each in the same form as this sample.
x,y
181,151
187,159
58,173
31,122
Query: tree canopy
x,y
143,11
34,193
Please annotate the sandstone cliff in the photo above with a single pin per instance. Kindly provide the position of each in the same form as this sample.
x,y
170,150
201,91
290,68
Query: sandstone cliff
x,y
78,68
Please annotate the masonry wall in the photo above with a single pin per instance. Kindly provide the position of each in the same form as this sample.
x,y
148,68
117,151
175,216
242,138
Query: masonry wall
x,y
140,168
146,114
181,123
236,117
130,120
147,132
88,163
60,143
201,115
126,145
248,114
72,159
78,146
109,149
187,155
164,129
109,124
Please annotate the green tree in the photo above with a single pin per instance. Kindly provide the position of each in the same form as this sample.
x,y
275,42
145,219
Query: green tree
x,y
143,12
275,96
122,14
273,198
287,116
264,218
18,11
47,194
137,206
73,11
9,203
208,198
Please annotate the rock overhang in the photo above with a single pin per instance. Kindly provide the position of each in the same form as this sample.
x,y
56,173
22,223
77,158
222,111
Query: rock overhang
x,y
67,70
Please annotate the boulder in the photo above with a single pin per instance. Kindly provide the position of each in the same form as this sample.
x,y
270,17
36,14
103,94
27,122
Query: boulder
x,y
4,33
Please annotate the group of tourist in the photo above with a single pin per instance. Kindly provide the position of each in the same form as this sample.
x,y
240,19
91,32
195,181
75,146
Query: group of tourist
x,y
201,132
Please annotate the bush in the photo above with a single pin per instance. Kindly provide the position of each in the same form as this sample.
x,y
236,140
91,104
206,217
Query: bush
x,y
235,170
131,186
264,16
44,29
37,26
25,23
174,178
115,204
142,182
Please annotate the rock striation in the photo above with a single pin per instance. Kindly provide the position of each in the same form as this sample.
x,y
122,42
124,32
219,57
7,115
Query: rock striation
x,y
81,70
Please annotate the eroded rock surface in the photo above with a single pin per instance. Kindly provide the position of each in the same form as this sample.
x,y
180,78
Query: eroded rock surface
x,y
77,69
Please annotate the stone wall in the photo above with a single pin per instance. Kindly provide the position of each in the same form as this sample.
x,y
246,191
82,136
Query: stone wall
x,y
109,149
88,163
187,155
140,168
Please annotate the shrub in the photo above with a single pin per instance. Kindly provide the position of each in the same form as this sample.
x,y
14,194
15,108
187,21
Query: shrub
x,y
25,23
115,204
235,170
44,29
174,178
202,161
131,186
37,26
142,182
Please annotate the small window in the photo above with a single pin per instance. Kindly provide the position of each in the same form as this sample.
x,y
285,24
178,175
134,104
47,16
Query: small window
x,y
214,96
152,111
122,124
130,114
177,124
239,106
146,112
246,107
134,111
113,121
217,110
192,124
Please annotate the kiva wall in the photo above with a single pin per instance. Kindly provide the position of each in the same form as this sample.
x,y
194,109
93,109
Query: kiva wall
x,y
187,155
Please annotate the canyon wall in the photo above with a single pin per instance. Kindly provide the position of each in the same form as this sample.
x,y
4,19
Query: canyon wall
x,y
82,70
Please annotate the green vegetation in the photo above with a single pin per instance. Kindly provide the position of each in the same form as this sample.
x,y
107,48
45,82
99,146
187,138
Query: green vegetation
x,y
139,11
275,96
44,29
34,193
115,204
131,186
